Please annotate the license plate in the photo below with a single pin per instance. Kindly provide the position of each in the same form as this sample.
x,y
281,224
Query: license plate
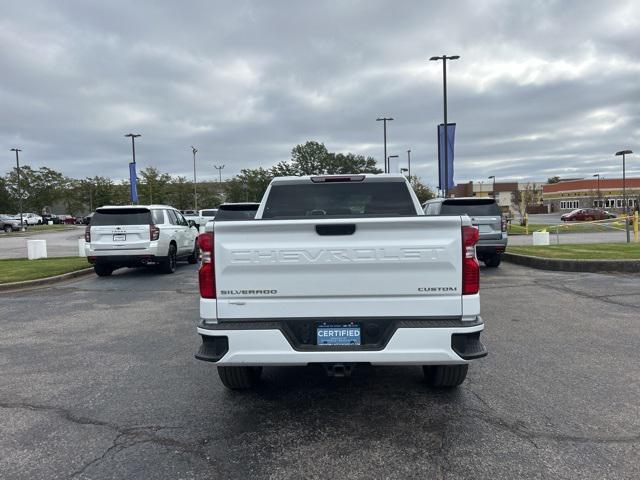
x,y
120,237
338,335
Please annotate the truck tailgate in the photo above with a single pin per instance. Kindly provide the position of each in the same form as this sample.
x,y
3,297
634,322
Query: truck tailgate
x,y
318,268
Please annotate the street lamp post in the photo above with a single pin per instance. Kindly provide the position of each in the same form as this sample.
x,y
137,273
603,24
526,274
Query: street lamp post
x,y
444,59
195,184
494,185
385,120
624,190
219,168
19,189
389,162
133,137
409,163
599,197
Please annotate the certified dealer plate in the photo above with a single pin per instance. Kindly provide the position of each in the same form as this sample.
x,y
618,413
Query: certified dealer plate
x,y
120,237
338,335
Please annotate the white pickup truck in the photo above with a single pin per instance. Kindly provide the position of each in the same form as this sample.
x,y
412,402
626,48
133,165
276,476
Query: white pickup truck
x,y
340,271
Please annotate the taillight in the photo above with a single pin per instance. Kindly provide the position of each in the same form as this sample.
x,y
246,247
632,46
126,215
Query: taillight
x,y
154,232
87,234
504,224
470,266
206,272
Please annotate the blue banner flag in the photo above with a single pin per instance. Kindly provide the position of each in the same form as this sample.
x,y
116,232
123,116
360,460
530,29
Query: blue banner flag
x,y
451,135
133,178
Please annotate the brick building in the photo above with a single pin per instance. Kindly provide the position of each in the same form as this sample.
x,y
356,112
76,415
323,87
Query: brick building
x,y
589,193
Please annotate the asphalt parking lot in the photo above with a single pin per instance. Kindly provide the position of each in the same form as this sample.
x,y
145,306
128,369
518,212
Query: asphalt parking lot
x,y
59,243
99,381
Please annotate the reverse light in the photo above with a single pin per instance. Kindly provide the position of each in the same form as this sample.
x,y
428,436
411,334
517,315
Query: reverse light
x,y
206,272
470,266
154,232
504,224
87,234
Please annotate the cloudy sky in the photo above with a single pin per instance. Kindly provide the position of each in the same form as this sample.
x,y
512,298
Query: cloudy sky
x,y
542,87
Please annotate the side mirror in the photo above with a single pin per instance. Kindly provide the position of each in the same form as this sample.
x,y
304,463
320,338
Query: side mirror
x,y
192,223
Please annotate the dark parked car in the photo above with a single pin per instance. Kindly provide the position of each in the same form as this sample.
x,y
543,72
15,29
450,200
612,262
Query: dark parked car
x,y
584,215
87,220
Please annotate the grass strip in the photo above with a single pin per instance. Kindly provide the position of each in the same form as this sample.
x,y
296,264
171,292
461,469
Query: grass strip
x,y
582,251
21,269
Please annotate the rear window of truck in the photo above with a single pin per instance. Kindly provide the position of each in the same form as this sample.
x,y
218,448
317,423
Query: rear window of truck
x,y
475,208
121,216
236,212
209,213
347,199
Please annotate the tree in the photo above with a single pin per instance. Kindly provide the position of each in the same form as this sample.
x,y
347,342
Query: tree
x,y
153,188
555,179
423,192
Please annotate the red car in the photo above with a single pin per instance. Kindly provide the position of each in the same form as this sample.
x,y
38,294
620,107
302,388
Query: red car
x,y
584,215
67,219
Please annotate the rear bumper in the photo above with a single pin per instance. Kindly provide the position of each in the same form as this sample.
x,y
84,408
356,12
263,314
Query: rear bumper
x,y
403,342
125,260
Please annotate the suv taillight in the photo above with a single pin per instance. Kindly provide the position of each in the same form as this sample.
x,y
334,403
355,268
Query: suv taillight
x,y
504,224
154,232
470,266
87,234
206,272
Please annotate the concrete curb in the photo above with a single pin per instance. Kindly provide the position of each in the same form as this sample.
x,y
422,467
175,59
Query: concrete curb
x,y
564,265
4,287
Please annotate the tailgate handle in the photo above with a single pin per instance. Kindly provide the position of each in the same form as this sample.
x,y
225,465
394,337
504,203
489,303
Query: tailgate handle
x,y
339,229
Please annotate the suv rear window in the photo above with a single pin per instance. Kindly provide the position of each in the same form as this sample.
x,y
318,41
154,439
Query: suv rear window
x,y
347,199
121,216
476,208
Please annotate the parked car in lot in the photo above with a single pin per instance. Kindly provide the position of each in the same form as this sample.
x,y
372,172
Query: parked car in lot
x,y
67,219
50,217
485,214
130,236
339,271
10,224
30,218
584,215
87,220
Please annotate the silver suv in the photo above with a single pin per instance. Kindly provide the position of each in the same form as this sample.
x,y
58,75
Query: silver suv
x,y
485,214
131,236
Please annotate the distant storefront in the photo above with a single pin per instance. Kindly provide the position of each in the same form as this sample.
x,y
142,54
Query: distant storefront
x,y
606,193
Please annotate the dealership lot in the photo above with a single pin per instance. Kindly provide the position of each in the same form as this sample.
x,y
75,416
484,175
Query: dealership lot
x,y
104,385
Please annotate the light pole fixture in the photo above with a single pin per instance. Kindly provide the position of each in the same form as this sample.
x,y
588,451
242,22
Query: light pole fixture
x,y
599,197
133,137
444,59
409,162
494,185
402,170
624,189
19,190
389,162
219,168
195,184
385,120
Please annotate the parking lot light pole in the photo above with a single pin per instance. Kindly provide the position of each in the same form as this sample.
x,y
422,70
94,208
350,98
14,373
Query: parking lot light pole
x,y
444,59
494,185
385,120
195,184
624,190
133,137
599,197
219,168
19,190
389,162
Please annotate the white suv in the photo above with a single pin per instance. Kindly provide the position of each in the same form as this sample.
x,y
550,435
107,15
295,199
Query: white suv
x,y
131,236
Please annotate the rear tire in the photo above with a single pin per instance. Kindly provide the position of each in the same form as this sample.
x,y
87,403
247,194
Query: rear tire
x,y
193,258
493,261
103,270
7,229
445,376
169,265
239,378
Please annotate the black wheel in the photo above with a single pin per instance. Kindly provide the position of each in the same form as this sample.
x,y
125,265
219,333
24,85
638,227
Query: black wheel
x,y
239,378
103,270
193,258
7,229
493,261
445,376
169,265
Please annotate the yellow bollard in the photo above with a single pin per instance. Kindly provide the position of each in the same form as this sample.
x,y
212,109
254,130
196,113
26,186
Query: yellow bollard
x,y
635,226
526,223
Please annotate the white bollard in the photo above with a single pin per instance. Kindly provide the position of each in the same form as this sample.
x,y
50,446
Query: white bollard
x,y
541,238
36,249
50,222
81,244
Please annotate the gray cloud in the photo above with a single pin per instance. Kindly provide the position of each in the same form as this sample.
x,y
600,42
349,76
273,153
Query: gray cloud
x,y
542,88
